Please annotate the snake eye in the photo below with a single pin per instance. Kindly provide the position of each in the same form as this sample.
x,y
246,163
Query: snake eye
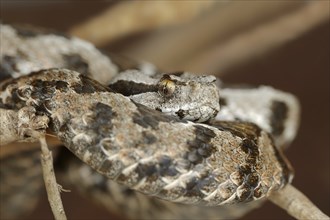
x,y
166,86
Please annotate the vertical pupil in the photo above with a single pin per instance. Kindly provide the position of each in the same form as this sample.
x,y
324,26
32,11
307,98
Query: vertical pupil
x,y
166,87
165,90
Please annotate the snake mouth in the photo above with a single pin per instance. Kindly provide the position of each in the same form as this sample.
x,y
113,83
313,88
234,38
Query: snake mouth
x,y
197,114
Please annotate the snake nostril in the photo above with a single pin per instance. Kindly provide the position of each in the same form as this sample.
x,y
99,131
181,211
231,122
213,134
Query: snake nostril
x,y
181,113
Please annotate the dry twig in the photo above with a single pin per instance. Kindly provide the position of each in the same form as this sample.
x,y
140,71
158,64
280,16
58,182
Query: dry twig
x,y
254,43
52,189
296,204
133,16
13,126
171,47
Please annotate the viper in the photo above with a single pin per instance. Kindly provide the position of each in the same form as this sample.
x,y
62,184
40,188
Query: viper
x,y
177,137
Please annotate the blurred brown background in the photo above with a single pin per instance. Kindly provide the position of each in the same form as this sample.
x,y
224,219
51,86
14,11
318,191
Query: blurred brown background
x,y
284,44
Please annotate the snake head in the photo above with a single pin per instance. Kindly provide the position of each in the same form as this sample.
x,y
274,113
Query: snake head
x,y
182,95
189,97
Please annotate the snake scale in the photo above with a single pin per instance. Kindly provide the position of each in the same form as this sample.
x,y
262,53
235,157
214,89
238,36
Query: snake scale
x,y
178,137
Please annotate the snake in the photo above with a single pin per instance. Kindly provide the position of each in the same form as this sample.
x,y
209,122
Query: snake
x,y
169,139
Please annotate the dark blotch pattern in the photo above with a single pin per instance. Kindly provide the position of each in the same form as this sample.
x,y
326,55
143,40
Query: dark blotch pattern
x,y
240,129
128,88
76,62
249,133
146,170
147,117
12,102
102,117
110,168
148,138
251,149
164,167
88,85
252,179
208,183
43,91
192,189
246,194
61,86
201,147
277,120
101,127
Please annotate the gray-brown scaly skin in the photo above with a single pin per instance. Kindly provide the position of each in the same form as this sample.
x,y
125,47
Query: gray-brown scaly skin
x,y
158,155
187,97
115,197
24,50
274,111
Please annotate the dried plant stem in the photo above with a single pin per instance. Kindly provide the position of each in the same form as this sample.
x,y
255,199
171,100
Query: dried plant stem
x,y
260,40
169,48
296,204
133,16
52,189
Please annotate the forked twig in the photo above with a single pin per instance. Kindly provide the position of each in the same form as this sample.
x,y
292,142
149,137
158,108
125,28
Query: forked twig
x,y
296,204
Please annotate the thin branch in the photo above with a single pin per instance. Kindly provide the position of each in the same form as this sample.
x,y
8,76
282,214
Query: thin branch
x,y
134,16
13,127
258,41
52,188
169,48
296,204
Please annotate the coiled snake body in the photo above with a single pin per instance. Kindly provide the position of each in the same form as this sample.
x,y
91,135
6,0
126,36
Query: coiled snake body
x,y
145,140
